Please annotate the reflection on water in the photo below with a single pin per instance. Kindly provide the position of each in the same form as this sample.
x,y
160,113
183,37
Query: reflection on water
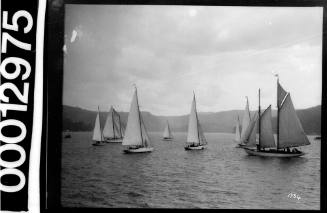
x,y
220,176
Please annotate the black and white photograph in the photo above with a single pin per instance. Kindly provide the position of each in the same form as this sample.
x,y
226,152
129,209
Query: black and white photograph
x,y
184,107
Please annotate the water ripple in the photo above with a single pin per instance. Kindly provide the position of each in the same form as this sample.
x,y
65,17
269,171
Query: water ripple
x,y
220,176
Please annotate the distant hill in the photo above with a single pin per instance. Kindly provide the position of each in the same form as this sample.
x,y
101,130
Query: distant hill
x,y
78,119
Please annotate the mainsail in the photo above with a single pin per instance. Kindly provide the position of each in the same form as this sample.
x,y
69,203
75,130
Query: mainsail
x,y
193,132
112,126
266,132
291,133
245,122
97,136
135,134
237,130
167,132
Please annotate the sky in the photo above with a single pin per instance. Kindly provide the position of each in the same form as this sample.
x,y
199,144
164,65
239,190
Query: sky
x,y
223,54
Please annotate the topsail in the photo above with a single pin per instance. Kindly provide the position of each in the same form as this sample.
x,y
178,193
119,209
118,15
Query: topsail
x,y
281,93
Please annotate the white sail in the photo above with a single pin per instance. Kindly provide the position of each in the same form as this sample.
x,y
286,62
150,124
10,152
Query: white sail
x,y
203,140
133,129
291,133
193,132
112,126
266,132
251,132
237,131
97,136
167,133
108,129
245,122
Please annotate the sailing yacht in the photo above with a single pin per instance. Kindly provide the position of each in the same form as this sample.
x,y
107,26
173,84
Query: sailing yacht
x,y
290,133
245,124
67,134
136,139
112,131
237,131
97,134
195,136
167,136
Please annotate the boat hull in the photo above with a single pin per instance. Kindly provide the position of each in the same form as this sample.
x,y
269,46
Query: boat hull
x,y
138,150
272,153
97,144
116,140
194,147
240,145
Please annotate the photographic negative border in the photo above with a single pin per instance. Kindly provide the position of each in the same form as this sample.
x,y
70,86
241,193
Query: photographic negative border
x,y
54,41
26,197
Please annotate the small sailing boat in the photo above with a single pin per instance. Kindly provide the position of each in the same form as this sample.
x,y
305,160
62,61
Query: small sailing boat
x,y
112,131
136,138
245,124
67,134
167,136
317,138
97,134
237,131
195,136
290,133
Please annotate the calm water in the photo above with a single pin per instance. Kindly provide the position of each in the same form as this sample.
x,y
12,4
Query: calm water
x,y
220,176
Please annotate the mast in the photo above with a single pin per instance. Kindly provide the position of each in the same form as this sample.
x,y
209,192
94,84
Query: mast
x,y
259,121
100,123
277,144
138,109
112,120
